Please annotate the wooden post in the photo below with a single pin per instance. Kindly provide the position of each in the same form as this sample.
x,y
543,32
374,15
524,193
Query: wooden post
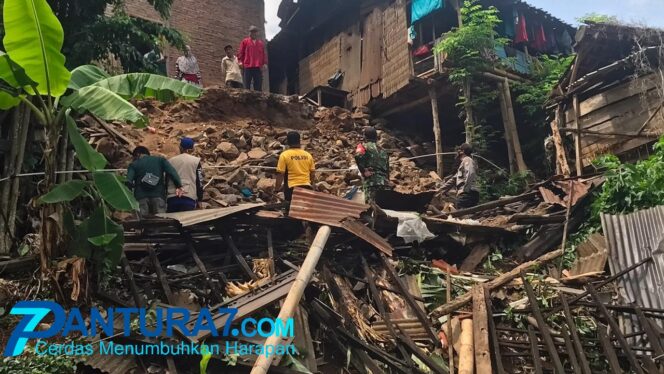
x,y
516,143
436,130
456,4
506,128
577,136
292,301
481,331
562,167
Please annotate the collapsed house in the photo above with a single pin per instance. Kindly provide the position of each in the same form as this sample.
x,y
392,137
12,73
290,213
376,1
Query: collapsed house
x,y
382,54
610,99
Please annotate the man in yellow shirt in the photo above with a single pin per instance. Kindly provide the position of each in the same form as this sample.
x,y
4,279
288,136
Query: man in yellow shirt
x,y
295,165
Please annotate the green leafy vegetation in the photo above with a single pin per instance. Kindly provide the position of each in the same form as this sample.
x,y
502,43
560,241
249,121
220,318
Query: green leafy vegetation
x,y
495,185
97,29
33,72
31,363
593,17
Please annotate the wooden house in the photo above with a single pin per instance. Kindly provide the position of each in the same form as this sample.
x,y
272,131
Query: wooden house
x,y
382,54
611,98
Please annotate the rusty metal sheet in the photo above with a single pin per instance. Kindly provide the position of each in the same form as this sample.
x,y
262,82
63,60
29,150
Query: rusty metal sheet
x,y
206,215
248,303
553,195
363,232
632,238
323,208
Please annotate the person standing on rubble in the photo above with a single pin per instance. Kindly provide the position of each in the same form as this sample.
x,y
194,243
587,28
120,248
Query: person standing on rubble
x,y
253,59
230,69
296,166
145,176
187,69
188,167
374,165
465,180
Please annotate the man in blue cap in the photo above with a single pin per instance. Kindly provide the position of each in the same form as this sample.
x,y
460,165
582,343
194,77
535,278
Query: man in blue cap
x,y
190,171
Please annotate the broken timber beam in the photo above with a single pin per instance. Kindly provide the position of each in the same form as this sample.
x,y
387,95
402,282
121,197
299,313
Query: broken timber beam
x,y
436,129
138,300
292,301
161,276
238,256
405,339
214,287
493,204
405,293
494,283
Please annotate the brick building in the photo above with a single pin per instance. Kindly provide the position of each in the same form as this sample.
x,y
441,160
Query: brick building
x,y
208,25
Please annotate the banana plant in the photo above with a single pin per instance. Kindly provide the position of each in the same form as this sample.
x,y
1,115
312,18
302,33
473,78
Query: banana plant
x,y
33,72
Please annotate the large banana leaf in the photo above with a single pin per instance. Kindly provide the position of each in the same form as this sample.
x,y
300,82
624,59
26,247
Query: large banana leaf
x,y
114,192
33,39
149,86
13,77
104,104
64,192
88,156
86,75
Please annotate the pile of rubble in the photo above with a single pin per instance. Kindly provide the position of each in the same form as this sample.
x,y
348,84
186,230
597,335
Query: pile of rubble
x,y
239,135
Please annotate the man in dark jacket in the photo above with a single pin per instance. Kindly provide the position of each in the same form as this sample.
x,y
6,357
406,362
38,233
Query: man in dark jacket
x,y
465,180
374,165
146,176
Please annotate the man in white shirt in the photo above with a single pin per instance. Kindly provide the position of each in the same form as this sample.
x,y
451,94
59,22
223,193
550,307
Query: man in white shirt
x,y
230,69
187,69
465,180
189,169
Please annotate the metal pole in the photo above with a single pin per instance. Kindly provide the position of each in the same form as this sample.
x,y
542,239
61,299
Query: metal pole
x,y
303,278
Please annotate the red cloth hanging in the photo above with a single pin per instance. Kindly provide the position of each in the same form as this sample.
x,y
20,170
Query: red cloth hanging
x,y
540,39
521,30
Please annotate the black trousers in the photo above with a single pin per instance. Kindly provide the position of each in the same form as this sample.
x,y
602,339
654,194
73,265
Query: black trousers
x,y
467,200
288,192
233,84
254,75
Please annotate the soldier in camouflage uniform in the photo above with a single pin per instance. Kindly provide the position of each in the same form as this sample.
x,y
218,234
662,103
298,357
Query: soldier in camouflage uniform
x,y
373,164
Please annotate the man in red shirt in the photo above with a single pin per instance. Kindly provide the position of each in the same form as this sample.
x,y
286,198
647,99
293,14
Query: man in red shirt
x,y
252,59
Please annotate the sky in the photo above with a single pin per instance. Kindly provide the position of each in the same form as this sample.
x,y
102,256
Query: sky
x,y
648,12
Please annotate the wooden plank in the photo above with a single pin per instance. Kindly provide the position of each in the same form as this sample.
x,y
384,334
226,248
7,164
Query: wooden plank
x,y
481,331
477,254
514,136
534,349
562,167
212,283
583,360
618,93
436,130
138,299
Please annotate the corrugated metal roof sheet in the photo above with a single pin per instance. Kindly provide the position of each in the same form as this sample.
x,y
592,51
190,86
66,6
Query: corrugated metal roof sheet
x,y
592,256
206,215
632,238
110,364
323,208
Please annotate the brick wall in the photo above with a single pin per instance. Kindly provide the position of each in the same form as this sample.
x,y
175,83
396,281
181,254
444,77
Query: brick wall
x,y
208,25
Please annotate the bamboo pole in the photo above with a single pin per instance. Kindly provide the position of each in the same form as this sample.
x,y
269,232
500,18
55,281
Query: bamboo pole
x,y
466,350
436,130
292,301
506,127
14,192
516,143
469,123
577,136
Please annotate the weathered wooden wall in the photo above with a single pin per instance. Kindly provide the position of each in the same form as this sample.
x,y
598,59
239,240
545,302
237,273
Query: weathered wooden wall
x,y
397,67
375,61
623,109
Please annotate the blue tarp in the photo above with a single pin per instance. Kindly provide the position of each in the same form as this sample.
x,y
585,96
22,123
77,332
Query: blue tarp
x,y
421,8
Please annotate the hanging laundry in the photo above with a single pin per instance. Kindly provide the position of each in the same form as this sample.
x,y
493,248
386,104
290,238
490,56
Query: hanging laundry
x,y
412,34
540,39
565,43
422,8
521,30
509,21
424,50
552,42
